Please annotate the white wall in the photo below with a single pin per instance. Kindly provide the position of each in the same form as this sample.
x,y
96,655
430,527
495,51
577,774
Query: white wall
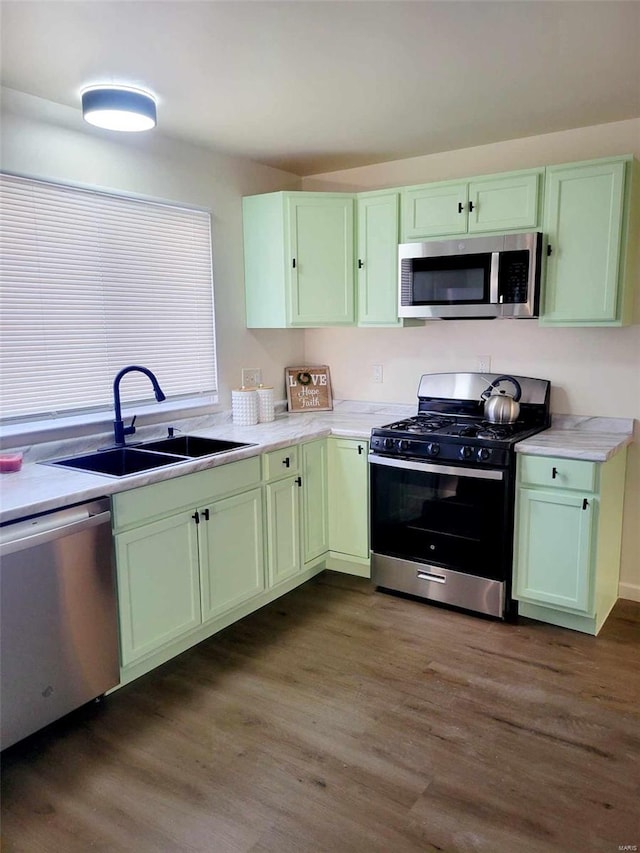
x,y
592,371
46,140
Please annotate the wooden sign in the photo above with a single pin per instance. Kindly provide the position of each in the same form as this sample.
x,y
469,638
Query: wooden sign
x,y
308,389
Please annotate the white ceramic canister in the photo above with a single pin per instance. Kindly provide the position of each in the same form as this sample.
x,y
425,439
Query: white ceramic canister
x,y
244,406
266,406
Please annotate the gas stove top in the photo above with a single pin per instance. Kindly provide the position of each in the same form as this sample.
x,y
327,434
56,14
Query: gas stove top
x,y
450,426
477,428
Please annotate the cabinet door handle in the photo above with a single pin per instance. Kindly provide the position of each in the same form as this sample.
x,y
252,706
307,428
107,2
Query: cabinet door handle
x,y
554,473
585,503
196,517
293,262
360,263
299,481
206,514
286,462
360,449
471,206
549,249
460,207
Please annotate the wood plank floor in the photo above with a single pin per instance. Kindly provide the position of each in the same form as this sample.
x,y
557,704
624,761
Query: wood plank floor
x,y
346,720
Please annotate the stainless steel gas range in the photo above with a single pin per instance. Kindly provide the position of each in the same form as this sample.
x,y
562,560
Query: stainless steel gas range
x,y
442,493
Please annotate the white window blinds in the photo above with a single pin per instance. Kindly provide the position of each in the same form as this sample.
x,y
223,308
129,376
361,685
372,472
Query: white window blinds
x,y
92,282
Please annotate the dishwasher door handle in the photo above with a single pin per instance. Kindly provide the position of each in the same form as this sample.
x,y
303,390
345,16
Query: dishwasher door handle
x,y
31,540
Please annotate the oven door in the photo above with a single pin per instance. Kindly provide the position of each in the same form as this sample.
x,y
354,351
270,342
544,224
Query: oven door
x,y
450,516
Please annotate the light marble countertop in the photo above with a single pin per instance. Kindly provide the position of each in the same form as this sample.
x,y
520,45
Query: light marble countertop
x,y
576,437
39,488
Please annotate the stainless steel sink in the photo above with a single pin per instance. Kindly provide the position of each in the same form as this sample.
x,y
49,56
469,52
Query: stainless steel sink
x,y
192,445
118,462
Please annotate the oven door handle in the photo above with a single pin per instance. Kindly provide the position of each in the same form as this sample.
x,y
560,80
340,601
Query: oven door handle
x,y
436,468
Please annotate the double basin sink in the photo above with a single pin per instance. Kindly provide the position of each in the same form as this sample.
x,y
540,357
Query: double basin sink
x,y
121,461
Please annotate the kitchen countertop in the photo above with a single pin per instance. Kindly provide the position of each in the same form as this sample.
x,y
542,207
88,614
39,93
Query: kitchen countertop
x,y
38,488
576,437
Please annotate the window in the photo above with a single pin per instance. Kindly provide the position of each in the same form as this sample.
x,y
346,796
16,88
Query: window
x,y
91,282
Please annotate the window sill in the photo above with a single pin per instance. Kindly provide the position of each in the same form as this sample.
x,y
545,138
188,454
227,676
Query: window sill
x,y
91,423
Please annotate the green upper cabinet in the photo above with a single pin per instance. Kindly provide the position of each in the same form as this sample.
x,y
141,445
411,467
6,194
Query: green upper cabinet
x,y
497,203
299,259
378,226
509,203
434,210
591,219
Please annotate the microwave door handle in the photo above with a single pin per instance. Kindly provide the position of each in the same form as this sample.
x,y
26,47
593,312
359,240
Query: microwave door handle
x,y
493,279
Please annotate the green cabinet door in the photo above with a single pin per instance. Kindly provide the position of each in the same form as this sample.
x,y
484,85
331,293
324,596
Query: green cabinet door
x,y
315,522
158,584
553,558
508,203
378,223
321,240
434,210
583,219
231,552
348,497
298,259
495,203
283,529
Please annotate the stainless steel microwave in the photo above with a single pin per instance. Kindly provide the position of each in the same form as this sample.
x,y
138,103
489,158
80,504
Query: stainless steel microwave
x,y
471,278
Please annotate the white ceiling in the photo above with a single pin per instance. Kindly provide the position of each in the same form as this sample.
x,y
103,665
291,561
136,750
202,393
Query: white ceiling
x,y
311,87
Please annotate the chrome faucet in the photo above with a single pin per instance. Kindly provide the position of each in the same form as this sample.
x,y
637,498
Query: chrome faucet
x,y
119,429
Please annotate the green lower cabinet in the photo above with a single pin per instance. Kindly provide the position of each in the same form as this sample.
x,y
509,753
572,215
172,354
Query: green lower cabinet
x,y
349,505
158,574
554,549
568,536
231,552
315,505
283,530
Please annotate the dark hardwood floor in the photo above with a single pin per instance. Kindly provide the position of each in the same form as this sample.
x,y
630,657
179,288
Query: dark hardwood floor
x,y
346,720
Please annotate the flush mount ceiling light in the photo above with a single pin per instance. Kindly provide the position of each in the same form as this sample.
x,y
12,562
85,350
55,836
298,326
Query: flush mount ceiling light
x,y
119,108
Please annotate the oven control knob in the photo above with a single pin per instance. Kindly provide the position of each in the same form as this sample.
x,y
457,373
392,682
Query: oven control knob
x,y
465,452
388,443
483,454
403,445
433,449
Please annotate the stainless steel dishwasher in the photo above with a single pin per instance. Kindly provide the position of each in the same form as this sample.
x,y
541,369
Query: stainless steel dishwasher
x,y
58,634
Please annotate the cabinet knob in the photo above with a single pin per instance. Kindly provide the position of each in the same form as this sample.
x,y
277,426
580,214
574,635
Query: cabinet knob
x,y
286,462
471,206
360,263
549,249
460,207
196,517
299,480
360,449
554,473
585,503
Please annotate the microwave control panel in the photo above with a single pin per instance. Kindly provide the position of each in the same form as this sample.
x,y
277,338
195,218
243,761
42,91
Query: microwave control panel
x,y
513,277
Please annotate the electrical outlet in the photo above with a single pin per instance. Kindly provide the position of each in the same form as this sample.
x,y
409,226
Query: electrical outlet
x,y
484,363
377,373
251,377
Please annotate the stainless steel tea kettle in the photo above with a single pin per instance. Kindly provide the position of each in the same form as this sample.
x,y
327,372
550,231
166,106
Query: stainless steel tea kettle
x,y
500,407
